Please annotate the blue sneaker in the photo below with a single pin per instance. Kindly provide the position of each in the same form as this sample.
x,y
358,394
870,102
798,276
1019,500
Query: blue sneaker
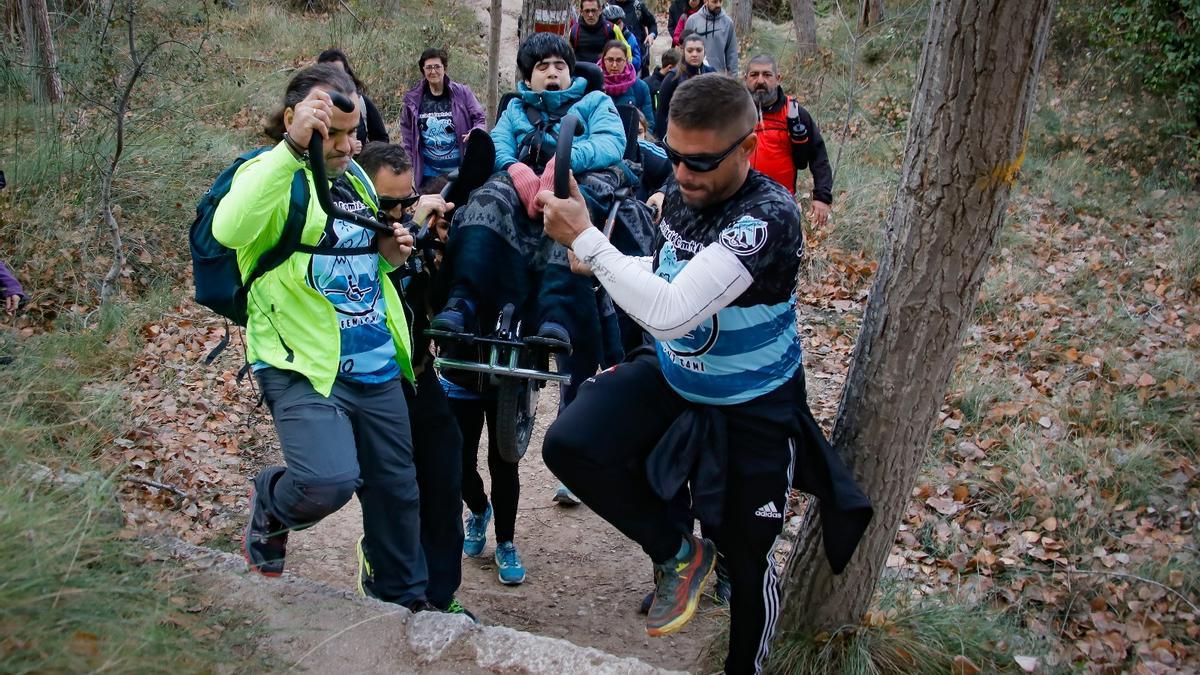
x,y
512,572
475,537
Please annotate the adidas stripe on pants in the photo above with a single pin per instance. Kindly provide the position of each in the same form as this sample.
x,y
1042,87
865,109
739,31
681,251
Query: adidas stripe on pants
x,y
598,446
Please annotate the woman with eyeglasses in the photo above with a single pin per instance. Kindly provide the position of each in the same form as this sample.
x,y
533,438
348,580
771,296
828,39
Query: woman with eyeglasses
x,y
621,81
370,125
438,115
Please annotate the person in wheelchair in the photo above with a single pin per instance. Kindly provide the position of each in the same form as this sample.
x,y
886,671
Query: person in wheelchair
x,y
497,253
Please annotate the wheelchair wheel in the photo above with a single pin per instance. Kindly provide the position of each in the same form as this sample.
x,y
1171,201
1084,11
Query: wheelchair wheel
x,y
516,410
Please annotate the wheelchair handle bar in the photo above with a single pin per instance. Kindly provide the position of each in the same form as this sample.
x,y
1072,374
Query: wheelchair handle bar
x,y
562,156
423,237
316,159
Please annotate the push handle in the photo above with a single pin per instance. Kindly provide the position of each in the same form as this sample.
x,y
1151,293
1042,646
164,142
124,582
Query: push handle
x,y
562,156
316,159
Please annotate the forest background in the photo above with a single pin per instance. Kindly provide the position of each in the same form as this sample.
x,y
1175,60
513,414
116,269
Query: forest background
x,y
1055,515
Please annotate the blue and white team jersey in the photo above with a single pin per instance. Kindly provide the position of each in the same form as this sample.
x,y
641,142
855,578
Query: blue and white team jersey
x,y
353,284
752,346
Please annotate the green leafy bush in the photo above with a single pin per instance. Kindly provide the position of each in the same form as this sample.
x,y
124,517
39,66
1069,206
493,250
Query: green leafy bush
x,y
1154,44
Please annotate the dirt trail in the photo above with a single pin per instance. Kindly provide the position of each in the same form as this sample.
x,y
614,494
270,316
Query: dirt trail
x,y
585,580
508,36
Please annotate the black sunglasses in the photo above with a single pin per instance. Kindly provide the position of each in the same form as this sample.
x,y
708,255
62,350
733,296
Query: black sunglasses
x,y
389,203
703,162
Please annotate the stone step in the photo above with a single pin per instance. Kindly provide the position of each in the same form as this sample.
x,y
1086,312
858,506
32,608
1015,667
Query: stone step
x,y
311,626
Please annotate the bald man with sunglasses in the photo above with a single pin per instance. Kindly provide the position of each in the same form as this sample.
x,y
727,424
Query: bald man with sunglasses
x,y
713,423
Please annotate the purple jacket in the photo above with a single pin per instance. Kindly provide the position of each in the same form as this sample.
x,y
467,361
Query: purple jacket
x,y
464,109
9,284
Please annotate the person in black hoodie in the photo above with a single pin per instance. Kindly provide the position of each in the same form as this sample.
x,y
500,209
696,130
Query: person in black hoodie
x,y
370,124
693,64
591,32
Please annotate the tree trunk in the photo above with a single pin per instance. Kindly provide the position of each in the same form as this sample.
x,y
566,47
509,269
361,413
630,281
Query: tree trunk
x,y
870,12
743,18
805,19
28,31
49,84
12,18
493,82
543,16
974,96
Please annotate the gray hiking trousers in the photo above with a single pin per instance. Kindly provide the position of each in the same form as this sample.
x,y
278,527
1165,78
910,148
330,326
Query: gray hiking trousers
x,y
357,439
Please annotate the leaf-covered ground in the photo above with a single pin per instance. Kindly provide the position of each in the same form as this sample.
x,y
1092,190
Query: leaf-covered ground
x,y
1060,491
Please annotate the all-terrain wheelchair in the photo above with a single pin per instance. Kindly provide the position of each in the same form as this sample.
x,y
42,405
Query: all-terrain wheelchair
x,y
506,355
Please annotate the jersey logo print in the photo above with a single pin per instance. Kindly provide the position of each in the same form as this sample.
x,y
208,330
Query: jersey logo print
x,y
698,340
745,237
438,129
768,510
351,283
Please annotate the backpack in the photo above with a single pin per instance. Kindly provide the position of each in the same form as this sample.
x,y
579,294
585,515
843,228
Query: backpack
x,y
215,272
574,33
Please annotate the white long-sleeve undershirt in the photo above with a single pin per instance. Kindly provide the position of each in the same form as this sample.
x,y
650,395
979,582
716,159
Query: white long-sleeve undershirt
x,y
710,281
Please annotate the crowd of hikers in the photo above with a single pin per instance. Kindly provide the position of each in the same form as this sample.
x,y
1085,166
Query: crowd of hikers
x,y
686,401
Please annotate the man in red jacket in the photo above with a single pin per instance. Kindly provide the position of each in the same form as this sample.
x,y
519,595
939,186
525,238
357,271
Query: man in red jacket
x,y
788,138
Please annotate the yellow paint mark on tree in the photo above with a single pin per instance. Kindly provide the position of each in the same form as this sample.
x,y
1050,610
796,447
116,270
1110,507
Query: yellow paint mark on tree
x,y
1005,174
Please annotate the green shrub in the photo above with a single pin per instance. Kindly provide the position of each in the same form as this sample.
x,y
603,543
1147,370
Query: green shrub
x,y
1154,44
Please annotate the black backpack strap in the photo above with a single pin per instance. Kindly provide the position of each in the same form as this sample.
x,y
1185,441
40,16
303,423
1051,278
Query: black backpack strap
x,y
216,351
293,230
533,148
289,241
335,250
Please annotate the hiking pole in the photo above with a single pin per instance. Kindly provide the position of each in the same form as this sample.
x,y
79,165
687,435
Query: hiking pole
x,y
316,159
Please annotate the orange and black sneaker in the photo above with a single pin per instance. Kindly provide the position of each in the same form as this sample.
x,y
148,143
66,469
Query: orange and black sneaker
x,y
678,586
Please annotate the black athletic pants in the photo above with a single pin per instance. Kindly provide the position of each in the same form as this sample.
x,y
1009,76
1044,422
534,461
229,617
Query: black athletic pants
x,y
438,462
598,447
506,485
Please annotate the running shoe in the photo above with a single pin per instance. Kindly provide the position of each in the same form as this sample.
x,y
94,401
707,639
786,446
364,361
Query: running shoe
x,y
418,606
264,542
553,335
511,571
365,575
680,582
565,497
455,607
475,532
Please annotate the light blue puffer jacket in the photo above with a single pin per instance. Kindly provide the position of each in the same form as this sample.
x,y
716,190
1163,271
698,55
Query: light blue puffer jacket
x,y
601,144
